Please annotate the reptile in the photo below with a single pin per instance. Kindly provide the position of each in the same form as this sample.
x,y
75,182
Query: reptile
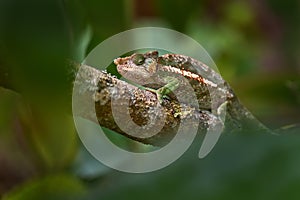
x,y
138,68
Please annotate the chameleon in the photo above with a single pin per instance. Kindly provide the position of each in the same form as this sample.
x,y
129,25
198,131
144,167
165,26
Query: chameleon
x,y
207,83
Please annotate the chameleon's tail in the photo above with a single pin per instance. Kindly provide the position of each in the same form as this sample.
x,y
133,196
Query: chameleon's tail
x,y
241,119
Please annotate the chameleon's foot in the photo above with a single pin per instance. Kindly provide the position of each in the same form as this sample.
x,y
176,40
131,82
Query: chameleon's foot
x,y
159,94
160,97
162,94
222,108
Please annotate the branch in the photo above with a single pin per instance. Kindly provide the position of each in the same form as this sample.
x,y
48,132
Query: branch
x,y
103,88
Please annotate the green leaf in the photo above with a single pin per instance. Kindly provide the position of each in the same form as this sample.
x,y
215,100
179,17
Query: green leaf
x,y
56,187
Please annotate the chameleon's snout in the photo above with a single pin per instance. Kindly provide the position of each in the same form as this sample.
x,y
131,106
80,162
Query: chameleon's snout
x,y
118,61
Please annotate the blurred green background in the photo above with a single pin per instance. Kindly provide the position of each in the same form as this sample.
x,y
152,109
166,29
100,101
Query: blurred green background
x,y
255,45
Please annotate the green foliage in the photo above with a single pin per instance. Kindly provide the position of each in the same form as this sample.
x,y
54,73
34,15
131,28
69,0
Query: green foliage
x,y
52,187
255,46
247,167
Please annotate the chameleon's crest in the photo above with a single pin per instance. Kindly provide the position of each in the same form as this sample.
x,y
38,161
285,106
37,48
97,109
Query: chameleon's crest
x,y
151,54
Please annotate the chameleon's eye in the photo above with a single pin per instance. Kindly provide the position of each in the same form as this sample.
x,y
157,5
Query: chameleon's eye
x,y
150,65
138,59
149,61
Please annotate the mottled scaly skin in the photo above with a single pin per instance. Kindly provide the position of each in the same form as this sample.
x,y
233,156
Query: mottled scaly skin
x,y
205,82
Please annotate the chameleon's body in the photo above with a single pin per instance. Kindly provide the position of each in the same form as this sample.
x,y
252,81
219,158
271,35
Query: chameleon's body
x,y
205,82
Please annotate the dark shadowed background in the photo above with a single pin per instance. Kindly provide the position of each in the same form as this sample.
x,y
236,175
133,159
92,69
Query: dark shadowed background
x,y
255,44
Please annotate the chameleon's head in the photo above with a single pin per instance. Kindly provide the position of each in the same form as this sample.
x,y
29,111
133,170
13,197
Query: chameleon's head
x,y
138,67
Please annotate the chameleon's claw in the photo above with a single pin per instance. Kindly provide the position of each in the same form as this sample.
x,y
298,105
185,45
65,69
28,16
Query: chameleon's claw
x,y
160,97
166,97
158,93
161,94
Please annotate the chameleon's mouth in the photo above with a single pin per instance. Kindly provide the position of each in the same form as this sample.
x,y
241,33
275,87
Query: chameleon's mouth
x,y
120,61
117,61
